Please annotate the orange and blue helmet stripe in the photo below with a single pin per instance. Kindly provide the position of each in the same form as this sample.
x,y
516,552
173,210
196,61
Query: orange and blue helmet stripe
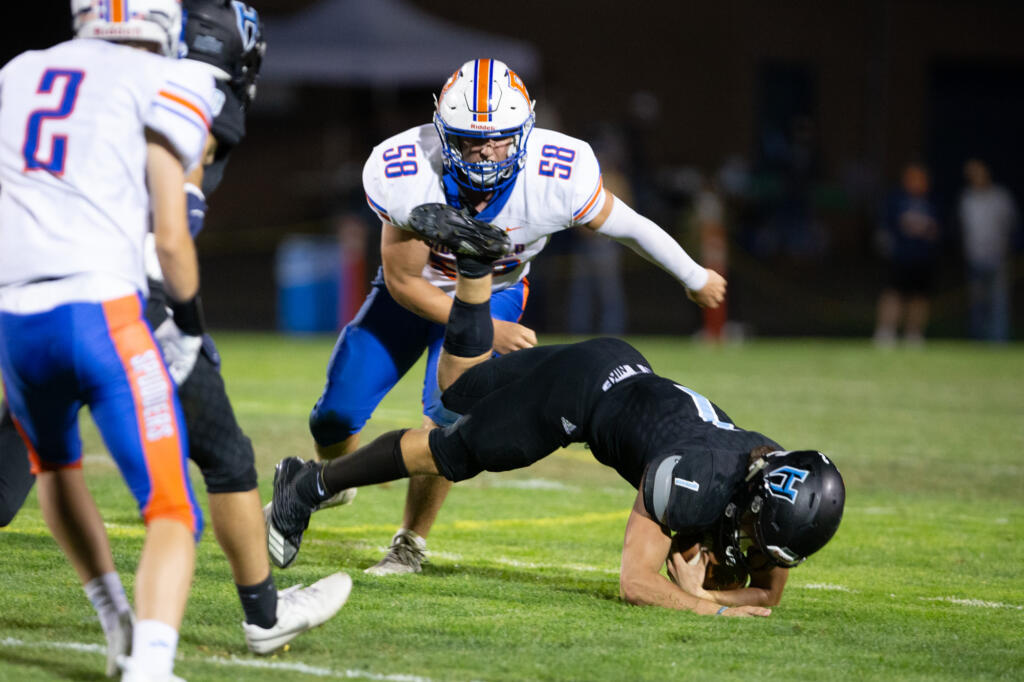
x,y
482,79
114,11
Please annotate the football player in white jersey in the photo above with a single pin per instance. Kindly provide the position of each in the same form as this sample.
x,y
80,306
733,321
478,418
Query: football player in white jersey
x,y
226,36
482,154
95,140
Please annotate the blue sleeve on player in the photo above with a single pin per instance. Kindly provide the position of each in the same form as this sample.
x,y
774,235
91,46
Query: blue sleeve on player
x,y
196,203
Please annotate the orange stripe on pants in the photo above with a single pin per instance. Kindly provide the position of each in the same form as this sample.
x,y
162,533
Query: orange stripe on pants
x,y
160,432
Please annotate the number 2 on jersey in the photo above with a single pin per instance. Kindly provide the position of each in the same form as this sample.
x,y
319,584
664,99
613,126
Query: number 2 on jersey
x,y
71,80
398,166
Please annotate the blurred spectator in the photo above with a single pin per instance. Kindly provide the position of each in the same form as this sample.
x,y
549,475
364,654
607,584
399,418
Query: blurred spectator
x,y
595,264
910,236
787,171
709,214
988,216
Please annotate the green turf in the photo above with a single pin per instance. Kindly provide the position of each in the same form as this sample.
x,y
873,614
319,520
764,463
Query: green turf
x,y
923,580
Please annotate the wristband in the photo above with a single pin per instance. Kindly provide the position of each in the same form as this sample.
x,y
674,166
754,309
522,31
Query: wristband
x,y
188,315
719,611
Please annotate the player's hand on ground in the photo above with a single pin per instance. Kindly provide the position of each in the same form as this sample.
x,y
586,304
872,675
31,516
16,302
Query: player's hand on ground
x,y
510,336
747,612
688,575
712,293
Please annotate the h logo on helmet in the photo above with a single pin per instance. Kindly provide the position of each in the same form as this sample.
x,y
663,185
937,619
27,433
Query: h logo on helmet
x,y
782,480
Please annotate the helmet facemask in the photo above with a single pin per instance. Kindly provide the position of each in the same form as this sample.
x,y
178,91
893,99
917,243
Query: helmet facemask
x,y
483,176
738,543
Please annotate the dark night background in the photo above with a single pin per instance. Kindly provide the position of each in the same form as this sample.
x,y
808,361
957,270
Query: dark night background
x,y
814,106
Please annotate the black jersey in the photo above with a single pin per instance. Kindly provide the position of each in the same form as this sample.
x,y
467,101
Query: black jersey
x,y
523,406
648,420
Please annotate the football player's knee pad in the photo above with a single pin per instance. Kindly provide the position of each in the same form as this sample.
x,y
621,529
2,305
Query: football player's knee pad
x,y
230,470
330,426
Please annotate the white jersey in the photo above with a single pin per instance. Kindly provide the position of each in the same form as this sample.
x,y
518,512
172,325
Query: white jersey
x,y
74,205
559,187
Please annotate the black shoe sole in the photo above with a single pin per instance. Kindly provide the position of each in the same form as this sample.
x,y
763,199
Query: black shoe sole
x,y
460,234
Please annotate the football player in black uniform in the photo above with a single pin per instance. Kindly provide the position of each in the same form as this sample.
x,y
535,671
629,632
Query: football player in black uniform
x,y
227,36
696,472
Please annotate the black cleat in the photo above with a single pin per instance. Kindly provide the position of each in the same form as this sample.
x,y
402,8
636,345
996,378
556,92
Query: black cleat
x,y
463,236
289,515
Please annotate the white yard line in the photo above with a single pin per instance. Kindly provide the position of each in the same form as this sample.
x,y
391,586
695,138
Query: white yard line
x,y
825,586
974,602
234,661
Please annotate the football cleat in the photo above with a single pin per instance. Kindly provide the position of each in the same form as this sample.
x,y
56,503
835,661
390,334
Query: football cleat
x,y
299,609
407,554
130,672
288,516
119,642
483,100
462,235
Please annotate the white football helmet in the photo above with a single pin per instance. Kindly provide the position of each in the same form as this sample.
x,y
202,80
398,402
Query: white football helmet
x,y
484,99
146,21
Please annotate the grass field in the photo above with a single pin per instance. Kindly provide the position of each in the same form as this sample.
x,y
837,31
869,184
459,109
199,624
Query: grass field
x,y
924,580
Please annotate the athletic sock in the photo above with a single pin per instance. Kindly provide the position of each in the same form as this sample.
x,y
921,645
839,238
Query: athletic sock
x,y
473,268
470,330
108,598
259,602
154,644
379,462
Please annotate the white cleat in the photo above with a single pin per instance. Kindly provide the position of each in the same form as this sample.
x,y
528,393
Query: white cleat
x,y
299,609
407,554
119,642
130,673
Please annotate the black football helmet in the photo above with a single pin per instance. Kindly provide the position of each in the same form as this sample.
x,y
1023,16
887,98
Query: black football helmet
x,y
789,508
227,35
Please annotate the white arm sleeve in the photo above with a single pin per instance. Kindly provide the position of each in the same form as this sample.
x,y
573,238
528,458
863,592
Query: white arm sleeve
x,y
628,227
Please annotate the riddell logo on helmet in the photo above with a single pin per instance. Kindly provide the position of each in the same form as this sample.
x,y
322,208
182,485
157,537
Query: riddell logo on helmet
x,y
118,31
480,127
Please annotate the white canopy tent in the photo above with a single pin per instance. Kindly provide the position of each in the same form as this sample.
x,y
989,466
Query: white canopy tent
x,y
379,43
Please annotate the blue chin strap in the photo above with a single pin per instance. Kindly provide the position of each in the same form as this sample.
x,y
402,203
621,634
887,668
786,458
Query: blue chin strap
x,y
483,176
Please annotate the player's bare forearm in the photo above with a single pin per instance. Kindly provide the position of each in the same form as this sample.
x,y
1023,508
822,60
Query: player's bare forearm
x,y
419,296
165,177
644,550
403,258
765,589
751,596
646,588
